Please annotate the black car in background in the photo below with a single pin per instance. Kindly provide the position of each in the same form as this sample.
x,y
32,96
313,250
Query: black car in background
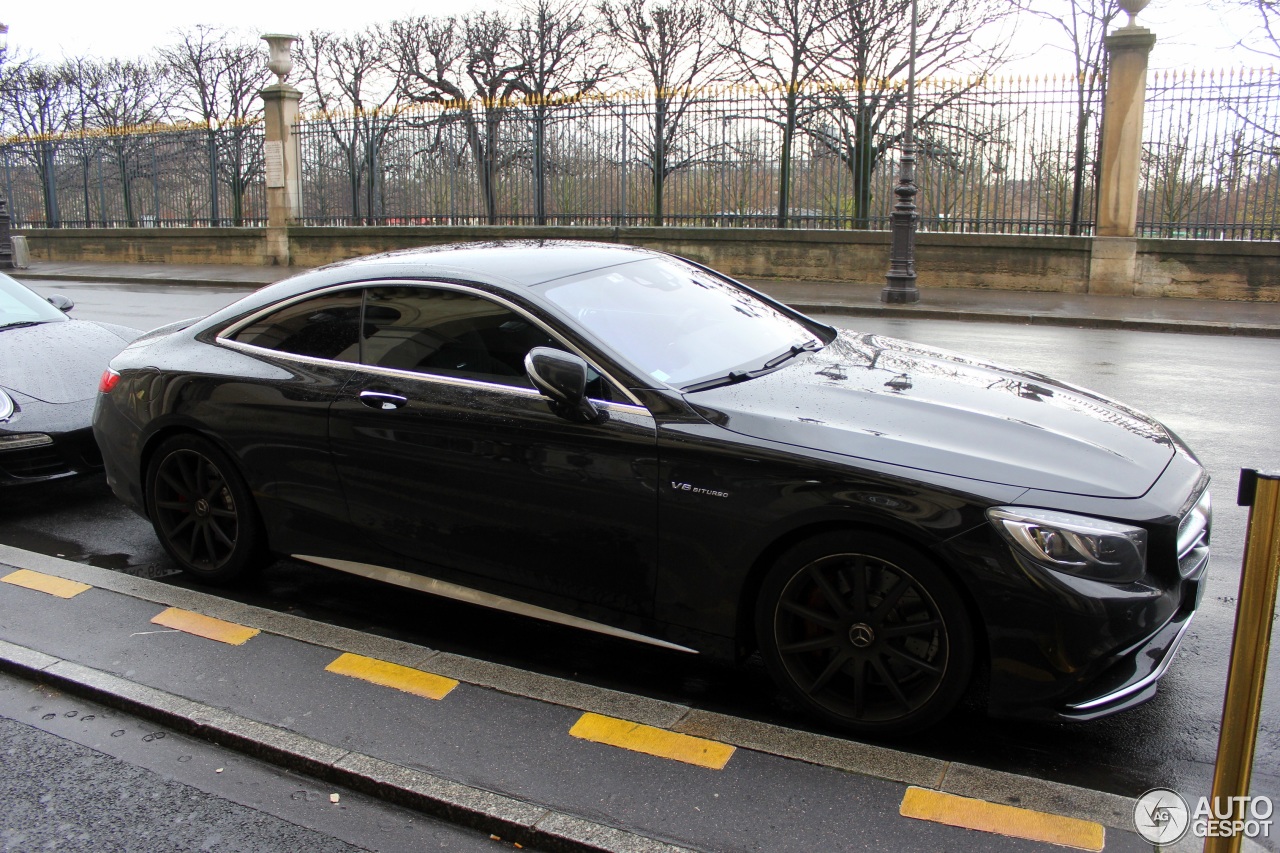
x,y
49,370
630,443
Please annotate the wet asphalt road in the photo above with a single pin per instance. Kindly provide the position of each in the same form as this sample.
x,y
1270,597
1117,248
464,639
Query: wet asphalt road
x,y
1218,393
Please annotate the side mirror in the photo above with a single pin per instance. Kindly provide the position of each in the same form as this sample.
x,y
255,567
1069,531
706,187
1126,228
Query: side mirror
x,y
562,376
62,303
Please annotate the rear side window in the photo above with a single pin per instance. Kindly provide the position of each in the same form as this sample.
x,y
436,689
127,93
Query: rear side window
x,y
326,327
428,330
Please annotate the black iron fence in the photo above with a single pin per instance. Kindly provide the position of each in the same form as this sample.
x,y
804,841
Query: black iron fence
x,y
157,176
995,156
1211,156
1008,155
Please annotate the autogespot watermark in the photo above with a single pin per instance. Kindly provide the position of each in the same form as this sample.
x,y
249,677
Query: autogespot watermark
x,y
1163,817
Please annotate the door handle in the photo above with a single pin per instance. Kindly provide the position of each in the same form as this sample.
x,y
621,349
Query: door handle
x,y
382,400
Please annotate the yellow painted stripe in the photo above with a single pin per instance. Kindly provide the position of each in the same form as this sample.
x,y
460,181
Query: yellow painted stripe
x,y
1005,820
652,741
415,681
205,626
41,582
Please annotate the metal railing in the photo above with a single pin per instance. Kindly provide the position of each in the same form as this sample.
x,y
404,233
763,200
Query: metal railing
x,y
1211,156
995,156
1006,155
160,176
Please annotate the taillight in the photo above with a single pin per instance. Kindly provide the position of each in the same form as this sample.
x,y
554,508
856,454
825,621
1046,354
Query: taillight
x,y
108,381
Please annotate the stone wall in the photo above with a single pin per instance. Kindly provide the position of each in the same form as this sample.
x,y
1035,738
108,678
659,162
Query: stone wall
x,y
1198,269
246,246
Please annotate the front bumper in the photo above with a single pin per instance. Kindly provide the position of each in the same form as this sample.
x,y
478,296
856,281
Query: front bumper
x,y
44,441
1065,648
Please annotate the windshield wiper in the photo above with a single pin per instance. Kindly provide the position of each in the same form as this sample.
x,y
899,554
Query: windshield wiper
x,y
808,346
735,376
21,324
731,378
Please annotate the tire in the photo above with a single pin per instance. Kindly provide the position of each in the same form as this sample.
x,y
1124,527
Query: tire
x,y
865,632
202,510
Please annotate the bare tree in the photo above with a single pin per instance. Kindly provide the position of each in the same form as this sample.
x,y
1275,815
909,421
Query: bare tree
x,y
217,76
873,56
1084,25
560,52
676,49
39,104
471,66
121,97
350,82
783,47
1267,15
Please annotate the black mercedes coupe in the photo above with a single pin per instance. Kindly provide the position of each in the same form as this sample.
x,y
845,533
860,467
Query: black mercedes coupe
x,y
49,370
630,443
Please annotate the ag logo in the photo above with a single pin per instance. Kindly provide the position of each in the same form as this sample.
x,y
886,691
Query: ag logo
x,y
1161,816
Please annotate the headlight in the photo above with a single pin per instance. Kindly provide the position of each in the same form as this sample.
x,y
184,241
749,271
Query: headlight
x,y
6,406
1076,544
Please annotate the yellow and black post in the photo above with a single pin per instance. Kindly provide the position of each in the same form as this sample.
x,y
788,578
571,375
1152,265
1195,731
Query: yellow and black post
x,y
1242,707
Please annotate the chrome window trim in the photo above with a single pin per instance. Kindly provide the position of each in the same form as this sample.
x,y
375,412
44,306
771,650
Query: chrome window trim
x,y
422,583
223,339
432,378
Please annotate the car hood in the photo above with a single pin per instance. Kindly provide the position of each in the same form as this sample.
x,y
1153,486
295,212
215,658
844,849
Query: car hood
x,y
887,400
59,362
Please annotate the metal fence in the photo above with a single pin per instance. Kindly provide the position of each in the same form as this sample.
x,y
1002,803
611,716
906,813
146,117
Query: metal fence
x,y
1009,155
160,176
1211,156
994,156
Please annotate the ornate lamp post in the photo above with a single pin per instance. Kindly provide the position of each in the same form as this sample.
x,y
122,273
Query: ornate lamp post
x,y
901,287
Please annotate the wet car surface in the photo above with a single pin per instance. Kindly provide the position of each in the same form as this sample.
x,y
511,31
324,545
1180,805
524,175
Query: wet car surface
x,y
49,369
882,520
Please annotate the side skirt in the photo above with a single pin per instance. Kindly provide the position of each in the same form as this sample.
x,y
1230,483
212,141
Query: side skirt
x,y
484,599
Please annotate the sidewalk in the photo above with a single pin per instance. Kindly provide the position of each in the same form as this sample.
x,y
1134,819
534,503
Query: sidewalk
x,y
542,761
1197,316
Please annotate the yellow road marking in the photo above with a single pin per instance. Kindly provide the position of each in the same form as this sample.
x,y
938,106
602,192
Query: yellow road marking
x,y
651,741
41,582
205,626
415,681
1011,821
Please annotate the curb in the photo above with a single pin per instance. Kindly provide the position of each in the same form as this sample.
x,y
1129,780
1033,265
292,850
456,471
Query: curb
x,y
23,275
852,310
512,819
1111,810
1120,323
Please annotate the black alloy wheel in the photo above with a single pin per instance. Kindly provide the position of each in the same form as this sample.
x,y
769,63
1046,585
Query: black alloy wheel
x,y
202,510
865,632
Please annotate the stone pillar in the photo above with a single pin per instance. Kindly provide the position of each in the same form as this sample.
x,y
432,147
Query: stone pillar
x,y
1113,266
282,153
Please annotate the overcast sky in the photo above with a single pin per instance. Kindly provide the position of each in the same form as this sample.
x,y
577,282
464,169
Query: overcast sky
x,y
1191,35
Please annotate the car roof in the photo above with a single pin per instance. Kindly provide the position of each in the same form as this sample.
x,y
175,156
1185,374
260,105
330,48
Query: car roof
x,y
502,263
519,262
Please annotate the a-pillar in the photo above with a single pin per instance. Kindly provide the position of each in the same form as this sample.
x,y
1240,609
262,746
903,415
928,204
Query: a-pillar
x,y
1113,263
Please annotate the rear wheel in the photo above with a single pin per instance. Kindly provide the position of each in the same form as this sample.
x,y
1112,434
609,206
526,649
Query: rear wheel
x,y
865,632
202,510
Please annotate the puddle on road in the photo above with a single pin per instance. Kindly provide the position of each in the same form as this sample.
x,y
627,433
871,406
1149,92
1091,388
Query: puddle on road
x,y
52,546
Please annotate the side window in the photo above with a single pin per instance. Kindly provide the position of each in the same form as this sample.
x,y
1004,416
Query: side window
x,y
448,333
327,326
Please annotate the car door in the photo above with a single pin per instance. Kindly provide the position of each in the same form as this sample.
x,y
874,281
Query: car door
x,y
448,456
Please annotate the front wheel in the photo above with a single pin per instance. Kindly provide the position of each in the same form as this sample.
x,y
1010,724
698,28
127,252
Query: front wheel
x,y
865,632
202,510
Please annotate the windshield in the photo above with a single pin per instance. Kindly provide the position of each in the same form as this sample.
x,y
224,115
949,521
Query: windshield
x,y
677,323
21,307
